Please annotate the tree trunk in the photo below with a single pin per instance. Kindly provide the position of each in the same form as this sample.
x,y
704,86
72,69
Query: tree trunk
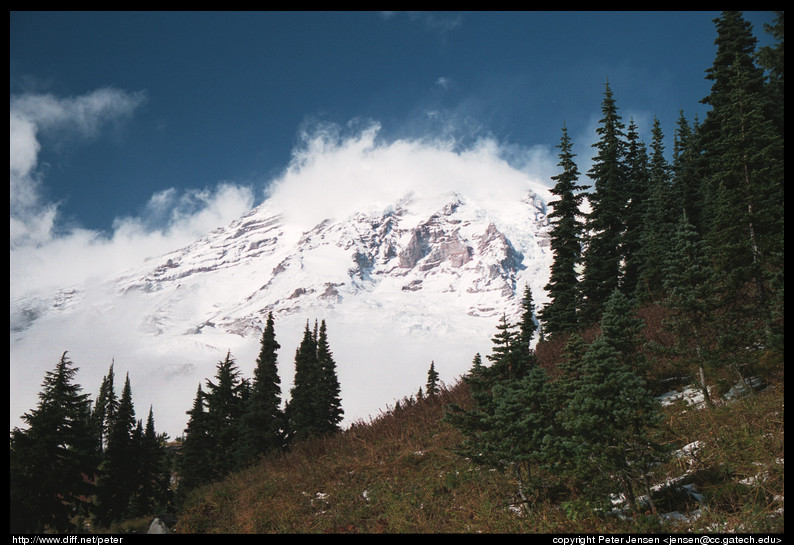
x,y
521,492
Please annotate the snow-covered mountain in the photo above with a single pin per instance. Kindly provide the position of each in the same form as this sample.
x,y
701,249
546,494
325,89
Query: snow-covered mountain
x,y
400,284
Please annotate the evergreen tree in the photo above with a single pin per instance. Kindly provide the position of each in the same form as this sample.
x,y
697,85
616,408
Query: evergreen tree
x,y
116,483
432,380
607,419
527,325
476,423
691,283
637,188
225,400
505,357
687,176
303,412
521,429
261,426
506,367
559,315
53,460
153,474
511,415
476,364
657,227
105,408
605,226
622,329
195,460
771,58
329,389
744,154
575,349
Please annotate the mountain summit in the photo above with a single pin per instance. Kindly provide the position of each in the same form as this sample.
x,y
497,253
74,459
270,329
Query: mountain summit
x,y
399,284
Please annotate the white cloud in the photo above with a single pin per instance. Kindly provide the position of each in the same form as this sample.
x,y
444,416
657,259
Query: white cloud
x,y
172,219
84,115
333,175
32,216
42,260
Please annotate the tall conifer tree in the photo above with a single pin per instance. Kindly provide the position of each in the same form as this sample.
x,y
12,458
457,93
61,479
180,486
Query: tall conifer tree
x,y
691,284
52,460
104,409
605,225
195,459
303,412
116,484
658,225
636,192
329,389
687,181
152,493
566,244
743,153
261,426
432,380
225,402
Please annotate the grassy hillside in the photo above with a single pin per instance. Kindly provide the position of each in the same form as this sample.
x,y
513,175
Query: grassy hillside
x,y
398,473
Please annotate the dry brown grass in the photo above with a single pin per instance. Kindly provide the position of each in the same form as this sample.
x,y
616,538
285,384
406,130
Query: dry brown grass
x,y
398,473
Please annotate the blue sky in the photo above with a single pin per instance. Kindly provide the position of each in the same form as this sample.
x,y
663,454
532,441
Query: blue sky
x,y
120,117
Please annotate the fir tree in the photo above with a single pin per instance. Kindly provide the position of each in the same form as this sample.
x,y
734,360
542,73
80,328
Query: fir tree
x,y
637,189
512,412
476,364
570,367
432,380
153,474
743,155
261,426
329,389
527,325
53,460
657,227
691,286
605,226
195,462
303,412
505,367
105,408
771,58
225,400
116,484
622,329
505,357
476,423
607,419
687,191
559,315
522,426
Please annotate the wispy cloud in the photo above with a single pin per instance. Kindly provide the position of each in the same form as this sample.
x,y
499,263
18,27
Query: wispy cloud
x,y
32,216
440,23
170,219
437,22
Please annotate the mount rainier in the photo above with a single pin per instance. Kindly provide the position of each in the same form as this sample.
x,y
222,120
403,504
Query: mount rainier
x,y
423,277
